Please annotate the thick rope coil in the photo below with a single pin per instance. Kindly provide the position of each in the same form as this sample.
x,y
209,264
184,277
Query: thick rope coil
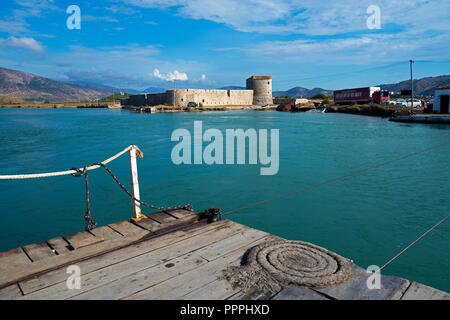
x,y
274,265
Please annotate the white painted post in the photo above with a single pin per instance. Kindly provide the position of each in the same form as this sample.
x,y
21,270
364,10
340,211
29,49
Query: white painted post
x,y
135,185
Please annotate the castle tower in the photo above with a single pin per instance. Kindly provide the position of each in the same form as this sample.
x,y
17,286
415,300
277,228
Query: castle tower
x,y
262,89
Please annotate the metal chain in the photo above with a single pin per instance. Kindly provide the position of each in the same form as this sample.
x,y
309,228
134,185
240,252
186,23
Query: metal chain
x,y
87,215
165,209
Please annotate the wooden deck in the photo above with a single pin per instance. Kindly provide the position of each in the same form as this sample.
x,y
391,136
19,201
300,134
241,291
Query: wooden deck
x,y
166,256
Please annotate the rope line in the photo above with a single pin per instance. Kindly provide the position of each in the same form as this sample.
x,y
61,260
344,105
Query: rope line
x,y
68,172
412,243
336,179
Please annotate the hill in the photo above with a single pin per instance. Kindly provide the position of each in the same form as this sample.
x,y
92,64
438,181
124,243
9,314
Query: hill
x,y
422,87
154,90
27,86
299,92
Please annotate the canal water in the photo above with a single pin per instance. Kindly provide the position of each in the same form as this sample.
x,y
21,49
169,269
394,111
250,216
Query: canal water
x,y
368,217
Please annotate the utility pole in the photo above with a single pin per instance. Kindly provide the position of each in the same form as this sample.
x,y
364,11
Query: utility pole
x,y
412,87
175,84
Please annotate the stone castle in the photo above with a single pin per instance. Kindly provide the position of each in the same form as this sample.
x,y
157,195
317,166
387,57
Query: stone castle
x,y
258,92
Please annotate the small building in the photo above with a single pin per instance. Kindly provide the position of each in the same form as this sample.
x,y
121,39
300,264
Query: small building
x,y
441,100
293,101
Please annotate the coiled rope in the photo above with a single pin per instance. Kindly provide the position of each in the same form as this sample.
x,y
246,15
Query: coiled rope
x,y
274,265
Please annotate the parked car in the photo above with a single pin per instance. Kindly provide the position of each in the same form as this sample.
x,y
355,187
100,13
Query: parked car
x,y
400,102
407,103
192,104
416,103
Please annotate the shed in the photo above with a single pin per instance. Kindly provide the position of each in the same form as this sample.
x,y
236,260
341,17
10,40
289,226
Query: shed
x,y
441,100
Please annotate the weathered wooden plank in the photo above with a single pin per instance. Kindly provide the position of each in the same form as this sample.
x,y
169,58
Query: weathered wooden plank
x,y
181,213
96,263
60,245
144,278
254,294
81,239
39,251
159,228
127,228
220,248
106,233
139,267
298,293
11,292
161,217
149,224
216,290
22,271
179,286
400,290
123,269
355,288
418,291
11,260
168,226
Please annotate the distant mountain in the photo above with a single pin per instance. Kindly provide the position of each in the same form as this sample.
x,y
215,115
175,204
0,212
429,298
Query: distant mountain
x,y
96,85
154,90
25,85
302,92
422,87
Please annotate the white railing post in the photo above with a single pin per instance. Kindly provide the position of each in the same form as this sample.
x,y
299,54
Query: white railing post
x,y
134,151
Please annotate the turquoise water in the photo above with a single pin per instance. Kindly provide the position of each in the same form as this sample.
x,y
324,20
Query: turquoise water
x,y
368,217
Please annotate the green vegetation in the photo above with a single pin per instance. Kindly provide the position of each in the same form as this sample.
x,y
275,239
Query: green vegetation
x,y
322,97
116,97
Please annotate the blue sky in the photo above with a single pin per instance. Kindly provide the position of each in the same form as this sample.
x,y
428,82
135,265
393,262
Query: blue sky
x,y
213,43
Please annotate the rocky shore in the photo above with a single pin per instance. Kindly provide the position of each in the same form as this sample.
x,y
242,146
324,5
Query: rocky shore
x,y
376,110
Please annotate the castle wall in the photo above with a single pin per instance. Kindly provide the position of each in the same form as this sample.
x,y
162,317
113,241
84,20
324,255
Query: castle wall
x,y
258,91
150,99
213,97
181,97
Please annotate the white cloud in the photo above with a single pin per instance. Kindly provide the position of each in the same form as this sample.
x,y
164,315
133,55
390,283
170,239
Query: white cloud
x,y
176,75
364,49
16,26
310,17
24,43
99,18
